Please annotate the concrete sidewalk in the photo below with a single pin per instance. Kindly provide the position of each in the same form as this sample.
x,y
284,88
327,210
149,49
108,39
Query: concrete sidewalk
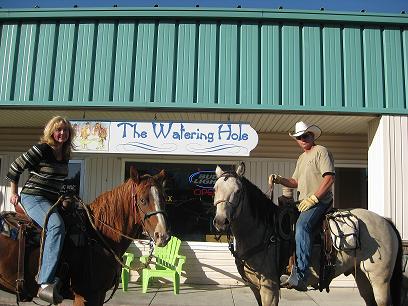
x,y
204,295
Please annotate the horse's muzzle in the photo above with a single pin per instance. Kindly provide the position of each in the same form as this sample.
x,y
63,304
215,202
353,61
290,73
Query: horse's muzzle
x,y
161,239
221,224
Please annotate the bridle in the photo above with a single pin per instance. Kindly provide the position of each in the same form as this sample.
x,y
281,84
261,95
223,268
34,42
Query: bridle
x,y
267,240
135,206
146,215
226,175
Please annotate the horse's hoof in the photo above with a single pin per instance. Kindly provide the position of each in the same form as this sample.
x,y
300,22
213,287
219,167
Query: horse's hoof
x,y
299,286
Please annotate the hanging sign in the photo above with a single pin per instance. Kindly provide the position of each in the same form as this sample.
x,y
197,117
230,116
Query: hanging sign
x,y
173,138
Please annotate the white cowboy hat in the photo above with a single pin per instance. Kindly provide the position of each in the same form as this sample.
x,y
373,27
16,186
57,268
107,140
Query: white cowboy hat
x,y
302,128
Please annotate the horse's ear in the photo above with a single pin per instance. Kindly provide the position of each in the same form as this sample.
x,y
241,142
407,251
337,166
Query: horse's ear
x,y
134,175
241,169
161,176
218,171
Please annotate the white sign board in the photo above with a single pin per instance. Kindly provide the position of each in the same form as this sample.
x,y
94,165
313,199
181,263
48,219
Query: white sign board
x,y
174,138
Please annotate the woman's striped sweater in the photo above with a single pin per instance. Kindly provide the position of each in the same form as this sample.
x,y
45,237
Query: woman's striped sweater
x,y
47,174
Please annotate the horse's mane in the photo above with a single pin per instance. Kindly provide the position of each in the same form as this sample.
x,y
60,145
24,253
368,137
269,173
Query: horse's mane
x,y
113,208
261,207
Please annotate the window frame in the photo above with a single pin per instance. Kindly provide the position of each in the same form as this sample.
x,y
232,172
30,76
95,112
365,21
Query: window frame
x,y
81,162
176,161
348,165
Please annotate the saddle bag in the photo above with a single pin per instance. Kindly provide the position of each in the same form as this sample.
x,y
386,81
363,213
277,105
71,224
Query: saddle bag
x,y
10,224
344,230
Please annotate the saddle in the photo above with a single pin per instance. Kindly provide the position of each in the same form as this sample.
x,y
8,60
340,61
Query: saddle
x,y
20,227
11,222
287,218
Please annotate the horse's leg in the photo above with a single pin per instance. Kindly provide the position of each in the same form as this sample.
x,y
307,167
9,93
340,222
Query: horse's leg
x,y
382,293
377,274
100,298
94,299
364,287
269,292
79,300
257,294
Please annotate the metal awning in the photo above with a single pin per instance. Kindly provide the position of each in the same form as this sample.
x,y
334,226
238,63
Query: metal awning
x,y
264,122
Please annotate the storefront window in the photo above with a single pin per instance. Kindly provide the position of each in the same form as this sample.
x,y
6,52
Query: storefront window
x,y
74,178
350,188
189,196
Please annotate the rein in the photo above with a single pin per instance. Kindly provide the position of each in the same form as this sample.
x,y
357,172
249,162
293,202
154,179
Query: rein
x,y
106,245
262,245
254,250
135,206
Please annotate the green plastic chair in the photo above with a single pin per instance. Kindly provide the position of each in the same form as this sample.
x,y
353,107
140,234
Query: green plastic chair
x,y
128,259
167,263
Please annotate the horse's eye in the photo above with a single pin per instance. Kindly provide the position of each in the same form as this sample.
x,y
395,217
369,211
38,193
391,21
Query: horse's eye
x,y
143,201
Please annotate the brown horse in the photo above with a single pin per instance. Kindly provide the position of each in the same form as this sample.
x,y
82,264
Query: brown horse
x,y
252,218
89,264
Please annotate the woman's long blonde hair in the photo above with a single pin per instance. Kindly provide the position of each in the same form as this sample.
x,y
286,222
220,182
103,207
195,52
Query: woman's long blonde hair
x,y
49,130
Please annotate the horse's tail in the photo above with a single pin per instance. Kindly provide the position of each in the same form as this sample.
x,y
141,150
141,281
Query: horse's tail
x,y
396,278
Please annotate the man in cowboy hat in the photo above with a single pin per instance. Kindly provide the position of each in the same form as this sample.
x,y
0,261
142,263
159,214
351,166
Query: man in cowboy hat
x,y
313,178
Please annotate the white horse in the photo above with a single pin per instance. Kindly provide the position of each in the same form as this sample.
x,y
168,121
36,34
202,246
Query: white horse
x,y
245,210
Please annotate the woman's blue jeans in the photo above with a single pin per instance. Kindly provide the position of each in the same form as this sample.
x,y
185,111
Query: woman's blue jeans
x,y
305,226
37,208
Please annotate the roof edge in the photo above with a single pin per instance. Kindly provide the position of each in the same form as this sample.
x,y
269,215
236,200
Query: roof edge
x,y
204,13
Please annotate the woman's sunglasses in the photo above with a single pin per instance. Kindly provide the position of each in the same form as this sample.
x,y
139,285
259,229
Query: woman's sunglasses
x,y
304,136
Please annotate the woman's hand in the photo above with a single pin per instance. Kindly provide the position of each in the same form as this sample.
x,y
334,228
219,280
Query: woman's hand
x,y
14,199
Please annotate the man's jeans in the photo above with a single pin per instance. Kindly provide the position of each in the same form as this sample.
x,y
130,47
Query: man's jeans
x,y
37,208
305,226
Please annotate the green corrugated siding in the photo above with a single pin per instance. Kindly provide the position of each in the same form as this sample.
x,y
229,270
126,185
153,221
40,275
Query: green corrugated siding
x,y
207,64
271,66
122,89
144,65
353,69
373,68
311,59
64,56
336,62
185,68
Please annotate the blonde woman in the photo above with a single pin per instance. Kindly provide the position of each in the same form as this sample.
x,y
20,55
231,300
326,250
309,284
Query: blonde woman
x,y
47,163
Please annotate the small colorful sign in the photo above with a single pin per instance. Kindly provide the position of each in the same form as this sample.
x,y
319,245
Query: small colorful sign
x,y
91,136
203,179
167,138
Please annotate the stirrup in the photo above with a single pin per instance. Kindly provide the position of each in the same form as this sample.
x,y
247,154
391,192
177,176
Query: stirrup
x,y
283,280
50,293
293,281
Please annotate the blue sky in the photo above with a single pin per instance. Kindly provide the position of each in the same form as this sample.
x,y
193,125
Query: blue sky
x,y
371,6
